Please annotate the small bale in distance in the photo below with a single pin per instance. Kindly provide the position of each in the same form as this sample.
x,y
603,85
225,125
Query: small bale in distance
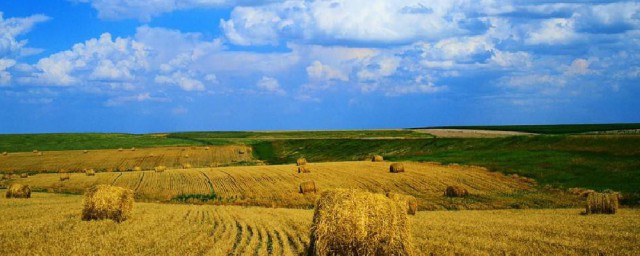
x,y
120,149
133,149
18,191
4,153
301,161
186,166
107,202
308,187
303,169
377,158
352,222
35,151
24,175
396,167
206,148
186,156
160,168
411,201
137,169
85,151
602,203
64,176
90,172
40,153
456,191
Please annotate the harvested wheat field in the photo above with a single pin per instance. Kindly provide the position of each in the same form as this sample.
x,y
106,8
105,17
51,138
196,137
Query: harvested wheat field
x,y
50,224
112,159
279,185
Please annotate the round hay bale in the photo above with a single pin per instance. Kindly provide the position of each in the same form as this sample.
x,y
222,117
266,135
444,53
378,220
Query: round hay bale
x,y
35,151
4,153
120,149
186,156
64,176
137,169
308,187
90,172
186,166
107,202
39,153
133,149
602,203
456,191
303,169
206,148
411,201
24,175
377,158
18,191
396,167
241,151
301,161
160,168
352,222
85,151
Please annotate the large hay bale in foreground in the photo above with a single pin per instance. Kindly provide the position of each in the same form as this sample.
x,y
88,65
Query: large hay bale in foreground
x,y
90,172
308,187
377,158
456,191
396,167
24,175
352,222
301,161
411,201
160,168
107,202
303,169
64,176
606,203
18,191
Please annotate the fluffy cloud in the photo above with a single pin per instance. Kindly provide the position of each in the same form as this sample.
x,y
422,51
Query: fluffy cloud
x,y
102,59
376,21
11,28
5,76
321,72
270,85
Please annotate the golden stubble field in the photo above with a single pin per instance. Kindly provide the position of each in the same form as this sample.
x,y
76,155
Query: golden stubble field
x,y
278,185
114,159
49,224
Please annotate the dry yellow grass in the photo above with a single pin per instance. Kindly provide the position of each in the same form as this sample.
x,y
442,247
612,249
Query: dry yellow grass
x,y
410,201
352,222
264,185
146,158
50,224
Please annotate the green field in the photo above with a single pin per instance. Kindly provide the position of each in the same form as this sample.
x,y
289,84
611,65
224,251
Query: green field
x,y
80,141
549,129
597,162
590,161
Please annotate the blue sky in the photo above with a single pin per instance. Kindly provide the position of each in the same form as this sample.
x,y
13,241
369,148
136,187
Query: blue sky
x,y
131,66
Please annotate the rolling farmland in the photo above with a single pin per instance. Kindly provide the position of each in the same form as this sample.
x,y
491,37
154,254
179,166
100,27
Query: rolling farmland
x,y
124,159
49,224
277,185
